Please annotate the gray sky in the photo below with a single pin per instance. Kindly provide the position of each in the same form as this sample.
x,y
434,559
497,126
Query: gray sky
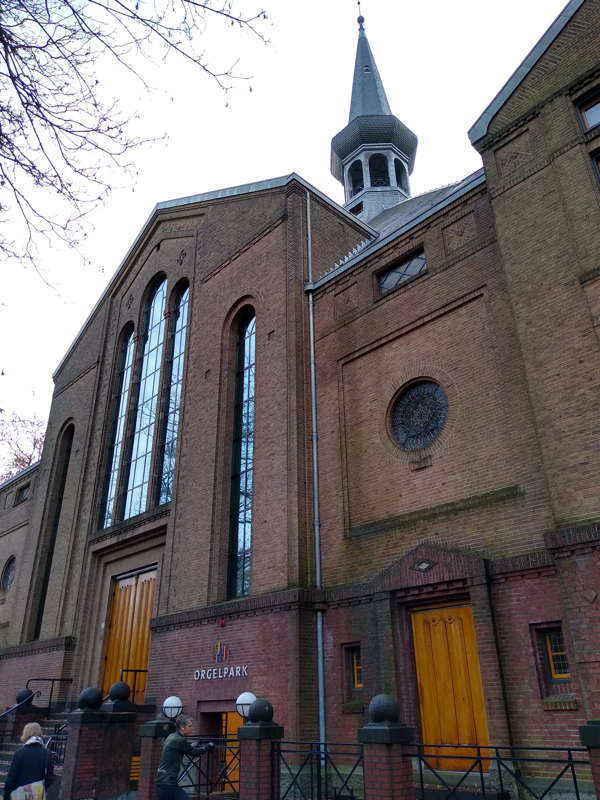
x,y
441,64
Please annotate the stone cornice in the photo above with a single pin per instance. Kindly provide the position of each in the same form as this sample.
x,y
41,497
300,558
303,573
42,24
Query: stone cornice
x,y
244,607
572,537
44,646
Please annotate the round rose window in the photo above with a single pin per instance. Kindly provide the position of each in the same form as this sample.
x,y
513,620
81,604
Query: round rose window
x,y
419,414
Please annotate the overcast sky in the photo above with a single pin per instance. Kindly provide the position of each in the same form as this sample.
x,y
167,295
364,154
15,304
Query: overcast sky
x,y
441,64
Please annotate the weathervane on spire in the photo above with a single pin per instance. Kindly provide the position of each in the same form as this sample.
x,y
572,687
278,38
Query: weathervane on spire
x,y
360,18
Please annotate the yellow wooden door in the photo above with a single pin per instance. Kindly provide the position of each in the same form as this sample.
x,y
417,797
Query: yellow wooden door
x,y
449,680
230,765
128,643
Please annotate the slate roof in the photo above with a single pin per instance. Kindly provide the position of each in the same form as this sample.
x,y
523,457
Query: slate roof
x,y
399,219
371,120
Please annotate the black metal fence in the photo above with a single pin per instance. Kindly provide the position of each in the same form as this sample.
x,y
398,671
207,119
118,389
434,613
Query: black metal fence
x,y
460,772
216,772
57,743
318,771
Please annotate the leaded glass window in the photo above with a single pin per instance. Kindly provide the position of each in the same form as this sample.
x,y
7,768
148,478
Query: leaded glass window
x,y
112,477
419,414
240,547
169,448
136,498
402,272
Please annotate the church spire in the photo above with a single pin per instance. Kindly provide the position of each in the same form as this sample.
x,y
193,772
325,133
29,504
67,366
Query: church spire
x,y
375,153
368,94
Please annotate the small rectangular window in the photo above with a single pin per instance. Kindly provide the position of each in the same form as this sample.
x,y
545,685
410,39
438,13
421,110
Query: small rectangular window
x,y
552,665
556,655
353,669
22,494
590,112
357,209
400,273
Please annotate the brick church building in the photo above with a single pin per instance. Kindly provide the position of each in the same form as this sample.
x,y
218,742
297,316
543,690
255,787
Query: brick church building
x,y
320,452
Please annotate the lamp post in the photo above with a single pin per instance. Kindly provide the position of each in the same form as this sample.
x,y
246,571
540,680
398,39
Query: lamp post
x,y
172,707
243,703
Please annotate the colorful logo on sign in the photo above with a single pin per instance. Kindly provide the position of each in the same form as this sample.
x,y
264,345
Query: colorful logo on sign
x,y
221,653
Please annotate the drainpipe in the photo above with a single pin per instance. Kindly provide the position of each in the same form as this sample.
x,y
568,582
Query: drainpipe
x,y
315,478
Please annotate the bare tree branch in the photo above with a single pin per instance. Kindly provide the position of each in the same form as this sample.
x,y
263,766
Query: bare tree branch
x,y
21,443
58,133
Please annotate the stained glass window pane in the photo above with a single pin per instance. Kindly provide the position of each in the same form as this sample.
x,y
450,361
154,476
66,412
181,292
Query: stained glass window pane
x,y
402,272
242,464
136,499
124,381
419,414
167,470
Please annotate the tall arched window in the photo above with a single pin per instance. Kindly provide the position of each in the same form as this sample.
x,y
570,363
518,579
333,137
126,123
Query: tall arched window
x,y
401,179
48,542
378,170
118,430
140,460
175,382
240,532
355,173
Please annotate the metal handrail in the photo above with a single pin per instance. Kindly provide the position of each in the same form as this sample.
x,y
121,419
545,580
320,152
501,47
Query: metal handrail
x,y
52,681
135,675
27,700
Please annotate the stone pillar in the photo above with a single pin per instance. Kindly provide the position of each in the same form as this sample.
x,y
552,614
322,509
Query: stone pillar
x,y
259,762
99,749
152,734
590,738
387,768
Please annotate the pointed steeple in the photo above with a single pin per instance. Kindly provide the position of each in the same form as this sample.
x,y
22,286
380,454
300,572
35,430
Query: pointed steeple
x,y
368,94
375,153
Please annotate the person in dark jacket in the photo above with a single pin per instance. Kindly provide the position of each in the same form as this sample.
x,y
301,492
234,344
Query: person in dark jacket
x,y
30,763
174,748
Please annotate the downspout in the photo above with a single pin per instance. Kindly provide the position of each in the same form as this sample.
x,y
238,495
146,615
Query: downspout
x,y
315,477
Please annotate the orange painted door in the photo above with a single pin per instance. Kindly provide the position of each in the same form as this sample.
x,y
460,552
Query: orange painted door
x,y
449,680
128,641
230,758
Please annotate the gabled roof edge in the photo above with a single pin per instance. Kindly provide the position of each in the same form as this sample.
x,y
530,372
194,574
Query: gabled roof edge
x,y
473,181
480,128
218,194
21,474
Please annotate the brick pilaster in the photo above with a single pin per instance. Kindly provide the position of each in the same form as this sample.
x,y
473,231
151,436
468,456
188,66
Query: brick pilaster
x,y
259,760
590,738
387,767
98,755
152,735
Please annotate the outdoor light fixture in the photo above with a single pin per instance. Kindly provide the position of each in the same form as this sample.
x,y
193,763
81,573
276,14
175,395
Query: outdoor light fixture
x,y
243,703
172,707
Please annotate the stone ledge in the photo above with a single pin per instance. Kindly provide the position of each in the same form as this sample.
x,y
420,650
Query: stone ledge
x,y
572,536
445,509
44,646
